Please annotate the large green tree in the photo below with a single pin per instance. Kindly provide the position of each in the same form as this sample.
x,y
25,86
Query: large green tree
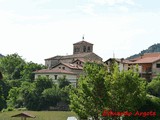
x,y
14,67
50,97
11,66
90,96
127,91
32,92
101,89
28,69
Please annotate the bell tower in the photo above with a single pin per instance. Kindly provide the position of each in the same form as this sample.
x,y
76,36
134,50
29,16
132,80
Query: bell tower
x,y
82,47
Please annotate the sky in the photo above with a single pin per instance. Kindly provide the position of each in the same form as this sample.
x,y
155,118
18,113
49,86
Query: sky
x,y
40,29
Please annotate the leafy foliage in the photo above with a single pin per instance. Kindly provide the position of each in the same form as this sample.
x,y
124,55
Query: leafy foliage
x,y
2,100
63,82
14,67
51,96
19,89
28,69
90,97
127,90
13,97
11,65
153,87
4,89
101,89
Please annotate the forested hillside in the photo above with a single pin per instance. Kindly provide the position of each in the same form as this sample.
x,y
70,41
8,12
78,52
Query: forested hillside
x,y
151,49
1,55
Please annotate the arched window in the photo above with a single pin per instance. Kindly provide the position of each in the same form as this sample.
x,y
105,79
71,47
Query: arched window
x,y
84,48
89,49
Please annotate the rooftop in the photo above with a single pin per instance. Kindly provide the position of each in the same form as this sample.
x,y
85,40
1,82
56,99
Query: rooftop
x,y
82,42
79,55
147,58
49,71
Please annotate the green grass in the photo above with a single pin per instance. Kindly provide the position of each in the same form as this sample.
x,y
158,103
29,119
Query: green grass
x,y
40,115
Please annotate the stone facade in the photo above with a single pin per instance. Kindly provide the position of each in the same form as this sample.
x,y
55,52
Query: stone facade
x,y
70,66
85,51
82,47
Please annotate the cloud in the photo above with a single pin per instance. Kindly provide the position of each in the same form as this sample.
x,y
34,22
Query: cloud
x,y
88,9
101,7
114,2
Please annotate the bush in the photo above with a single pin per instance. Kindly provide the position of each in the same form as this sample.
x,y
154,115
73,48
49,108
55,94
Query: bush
x,y
8,109
153,87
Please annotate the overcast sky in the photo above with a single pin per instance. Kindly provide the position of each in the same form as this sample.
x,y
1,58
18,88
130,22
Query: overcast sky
x,y
39,29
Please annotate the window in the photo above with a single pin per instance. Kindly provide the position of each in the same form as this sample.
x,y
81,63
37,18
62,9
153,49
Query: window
x,y
76,49
84,48
89,49
63,68
55,77
59,67
158,65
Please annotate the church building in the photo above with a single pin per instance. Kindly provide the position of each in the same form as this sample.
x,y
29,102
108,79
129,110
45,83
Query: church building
x,y
69,66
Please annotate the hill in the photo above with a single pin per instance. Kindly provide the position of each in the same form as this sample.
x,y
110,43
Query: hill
x,y
151,49
1,55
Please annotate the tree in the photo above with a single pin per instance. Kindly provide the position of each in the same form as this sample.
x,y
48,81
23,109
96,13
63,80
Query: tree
x,y
12,97
152,103
28,69
63,82
4,89
127,91
90,96
42,83
101,89
11,65
29,96
2,100
50,97
153,87
1,76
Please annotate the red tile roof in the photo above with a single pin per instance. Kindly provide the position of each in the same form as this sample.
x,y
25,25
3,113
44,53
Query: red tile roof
x,y
54,71
71,66
147,60
157,54
74,56
80,59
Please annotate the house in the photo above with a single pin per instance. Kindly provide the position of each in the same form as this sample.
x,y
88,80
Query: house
x,y
122,63
148,64
69,66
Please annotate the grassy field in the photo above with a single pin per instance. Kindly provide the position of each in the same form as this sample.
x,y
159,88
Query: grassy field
x,y
41,115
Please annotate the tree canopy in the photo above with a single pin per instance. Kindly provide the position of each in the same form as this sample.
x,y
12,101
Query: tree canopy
x,y
99,89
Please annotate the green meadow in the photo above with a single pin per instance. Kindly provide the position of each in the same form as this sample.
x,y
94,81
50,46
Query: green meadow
x,y
40,115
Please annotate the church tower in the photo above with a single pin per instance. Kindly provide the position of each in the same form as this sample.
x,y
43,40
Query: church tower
x,y
82,47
